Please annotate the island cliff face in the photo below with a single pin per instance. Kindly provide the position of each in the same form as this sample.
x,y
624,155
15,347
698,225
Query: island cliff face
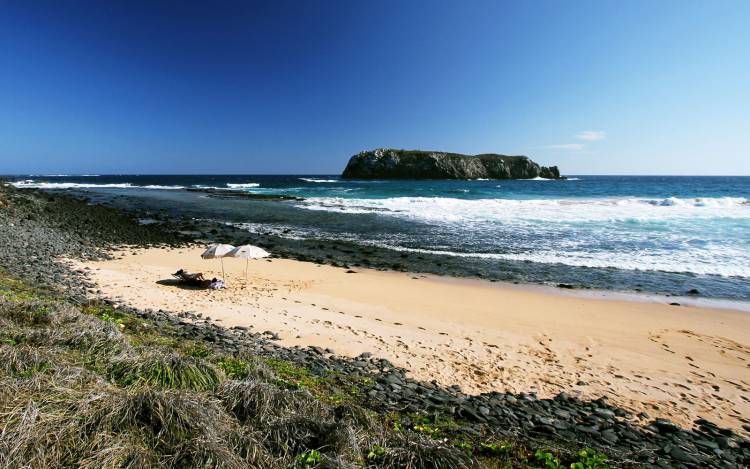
x,y
386,163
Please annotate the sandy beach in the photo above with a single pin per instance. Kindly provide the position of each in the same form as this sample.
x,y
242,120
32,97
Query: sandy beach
x,y
646,356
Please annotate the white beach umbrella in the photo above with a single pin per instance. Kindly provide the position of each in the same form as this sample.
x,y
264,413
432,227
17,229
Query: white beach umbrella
x,y
248,252
218,251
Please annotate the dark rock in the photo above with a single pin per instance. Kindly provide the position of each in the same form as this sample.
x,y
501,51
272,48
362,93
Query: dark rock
x,y
665,426
230,194
414,164
681,455
592,429
723,442
707,444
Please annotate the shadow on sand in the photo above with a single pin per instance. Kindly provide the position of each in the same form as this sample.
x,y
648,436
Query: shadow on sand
x,y
171,282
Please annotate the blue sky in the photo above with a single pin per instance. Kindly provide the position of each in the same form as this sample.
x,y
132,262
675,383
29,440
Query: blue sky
x,y
600,87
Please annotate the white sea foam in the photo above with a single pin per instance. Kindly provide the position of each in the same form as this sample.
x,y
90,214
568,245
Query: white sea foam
x,y
701,236
32,184
721,261
679,236
64,175
247,185
453,210
251,185
318,180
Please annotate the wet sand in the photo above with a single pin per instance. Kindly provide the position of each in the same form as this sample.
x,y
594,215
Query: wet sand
x,y
646,356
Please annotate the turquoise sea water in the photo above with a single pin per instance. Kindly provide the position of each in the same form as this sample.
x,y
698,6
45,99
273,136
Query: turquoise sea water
x,y
661,234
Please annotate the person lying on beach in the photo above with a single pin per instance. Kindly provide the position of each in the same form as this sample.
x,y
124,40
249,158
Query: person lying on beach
x,y
191,279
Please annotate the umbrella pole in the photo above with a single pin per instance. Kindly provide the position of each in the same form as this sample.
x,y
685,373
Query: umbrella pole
x,y
223,275
247,261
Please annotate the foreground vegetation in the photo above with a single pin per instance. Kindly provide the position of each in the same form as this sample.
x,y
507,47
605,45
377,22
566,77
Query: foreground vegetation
x,y
96,387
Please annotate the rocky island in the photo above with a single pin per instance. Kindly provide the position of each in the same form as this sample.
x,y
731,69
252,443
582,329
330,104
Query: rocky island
x,y
385,163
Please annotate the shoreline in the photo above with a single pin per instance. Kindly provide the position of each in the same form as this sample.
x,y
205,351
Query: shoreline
x,y
680,363
57,226
336,253
611,295
233,228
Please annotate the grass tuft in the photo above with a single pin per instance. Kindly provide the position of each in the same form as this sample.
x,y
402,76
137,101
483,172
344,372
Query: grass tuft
x,y
419,452
22,361
165,370
28,313
260,403
121,453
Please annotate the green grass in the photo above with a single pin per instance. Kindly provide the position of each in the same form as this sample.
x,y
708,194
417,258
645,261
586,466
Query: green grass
x,y
309,458
234,368
17,291
96,386
194,349
138,330
165,370
376,452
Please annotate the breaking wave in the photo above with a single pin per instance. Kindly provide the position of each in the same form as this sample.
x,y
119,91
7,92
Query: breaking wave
x,y
32,184
318,180
442,209
712,261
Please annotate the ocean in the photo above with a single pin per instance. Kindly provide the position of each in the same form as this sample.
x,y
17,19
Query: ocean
x,y
666,235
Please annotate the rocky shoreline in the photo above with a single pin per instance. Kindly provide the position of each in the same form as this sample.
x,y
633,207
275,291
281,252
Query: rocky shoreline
x,y
36,229
343,253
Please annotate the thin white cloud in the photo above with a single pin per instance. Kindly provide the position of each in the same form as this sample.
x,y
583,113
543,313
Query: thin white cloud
x,y
566,146
592,135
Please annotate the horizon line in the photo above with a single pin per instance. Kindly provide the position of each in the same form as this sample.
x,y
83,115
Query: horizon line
x,y
339,174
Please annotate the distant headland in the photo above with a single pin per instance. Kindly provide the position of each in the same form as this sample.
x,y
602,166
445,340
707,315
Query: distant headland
x,y
386,163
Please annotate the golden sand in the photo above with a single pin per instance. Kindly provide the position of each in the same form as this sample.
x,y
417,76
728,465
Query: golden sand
x,y
675,362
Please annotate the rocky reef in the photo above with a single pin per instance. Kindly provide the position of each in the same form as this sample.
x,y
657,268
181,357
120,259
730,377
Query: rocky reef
x,y
385,163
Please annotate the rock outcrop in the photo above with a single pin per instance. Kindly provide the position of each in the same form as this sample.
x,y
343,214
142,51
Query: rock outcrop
x,y
385,163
